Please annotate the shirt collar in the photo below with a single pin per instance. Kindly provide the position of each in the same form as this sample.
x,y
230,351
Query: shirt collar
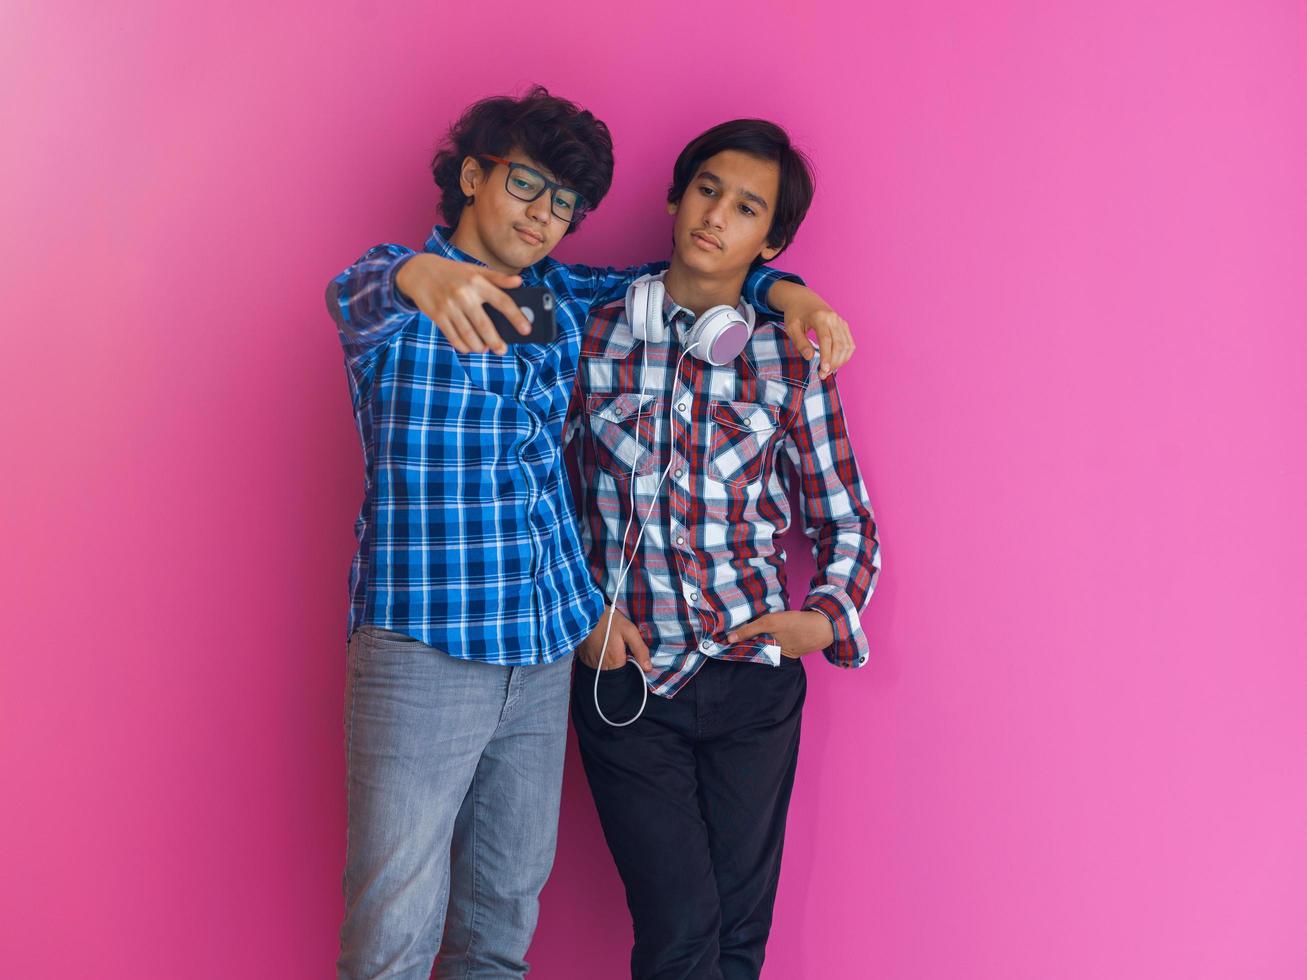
x,y
677,317
680,318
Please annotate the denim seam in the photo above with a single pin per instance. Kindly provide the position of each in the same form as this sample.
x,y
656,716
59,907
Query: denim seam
x,y
511,693
472,935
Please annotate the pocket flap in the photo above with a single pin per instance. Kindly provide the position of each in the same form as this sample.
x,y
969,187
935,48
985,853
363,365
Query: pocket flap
x,y
746,416
620,407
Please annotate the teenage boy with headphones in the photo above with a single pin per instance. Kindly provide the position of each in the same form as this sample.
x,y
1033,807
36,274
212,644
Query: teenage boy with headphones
x,y
469,588
696,423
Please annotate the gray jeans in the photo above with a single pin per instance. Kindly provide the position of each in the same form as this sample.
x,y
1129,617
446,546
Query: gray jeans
x,y
455,769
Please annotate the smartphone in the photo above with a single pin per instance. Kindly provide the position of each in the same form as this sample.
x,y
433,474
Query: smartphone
x,y
537,305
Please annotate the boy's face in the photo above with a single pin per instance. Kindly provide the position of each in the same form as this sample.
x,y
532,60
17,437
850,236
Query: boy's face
x,y
514,232
724,216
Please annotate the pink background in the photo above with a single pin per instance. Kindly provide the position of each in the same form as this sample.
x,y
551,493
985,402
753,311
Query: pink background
x,y
1070,239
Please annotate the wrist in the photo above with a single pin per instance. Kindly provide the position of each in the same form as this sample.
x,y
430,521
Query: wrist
x,y
822,627
409,272
404,274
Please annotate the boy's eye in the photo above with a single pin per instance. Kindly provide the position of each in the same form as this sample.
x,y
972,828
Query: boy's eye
x,y
746,209
706,191
521,183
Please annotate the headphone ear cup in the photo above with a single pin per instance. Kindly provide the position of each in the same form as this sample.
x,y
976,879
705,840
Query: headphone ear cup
x,y
644,308
721,334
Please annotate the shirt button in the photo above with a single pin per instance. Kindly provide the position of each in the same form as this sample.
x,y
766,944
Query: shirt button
x,y
681,407
678,473
694,596
704,645
680,540
617,413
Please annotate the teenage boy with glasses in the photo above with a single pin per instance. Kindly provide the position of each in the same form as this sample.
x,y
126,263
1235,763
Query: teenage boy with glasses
x,y
469,590
685,468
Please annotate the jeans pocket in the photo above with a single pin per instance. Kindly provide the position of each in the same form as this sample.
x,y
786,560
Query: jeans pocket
x,y
381,635
604,675
373,644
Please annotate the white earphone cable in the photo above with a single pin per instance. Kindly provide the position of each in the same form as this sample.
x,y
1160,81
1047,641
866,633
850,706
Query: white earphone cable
x,y
624,566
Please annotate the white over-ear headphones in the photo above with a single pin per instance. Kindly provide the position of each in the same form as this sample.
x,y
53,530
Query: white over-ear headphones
x,y
717,336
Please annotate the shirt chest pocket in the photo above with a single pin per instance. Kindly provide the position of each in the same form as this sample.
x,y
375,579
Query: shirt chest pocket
x,y
738,440
623,429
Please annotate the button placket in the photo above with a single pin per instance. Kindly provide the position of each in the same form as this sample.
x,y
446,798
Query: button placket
x,y
682,400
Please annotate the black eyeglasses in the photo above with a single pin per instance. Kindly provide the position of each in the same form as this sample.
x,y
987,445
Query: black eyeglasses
x,y
526,184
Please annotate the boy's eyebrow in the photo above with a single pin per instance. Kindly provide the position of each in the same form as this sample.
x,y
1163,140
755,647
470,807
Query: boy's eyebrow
x,y
538,168
747,195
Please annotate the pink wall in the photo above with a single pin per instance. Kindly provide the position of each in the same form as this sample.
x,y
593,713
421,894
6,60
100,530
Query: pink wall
x,y
1070,238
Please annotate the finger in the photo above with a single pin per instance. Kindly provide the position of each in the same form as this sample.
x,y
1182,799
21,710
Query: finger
x,y
485,329
449,325
441,316
845,344
501,301
799,334
826,341
459,322
637,648
747,630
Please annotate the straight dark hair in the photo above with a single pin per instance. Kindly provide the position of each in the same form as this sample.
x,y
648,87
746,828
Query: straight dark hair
x,y
767,141
554,132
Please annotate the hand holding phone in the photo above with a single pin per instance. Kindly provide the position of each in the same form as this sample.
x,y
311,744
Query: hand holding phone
x,y
451,294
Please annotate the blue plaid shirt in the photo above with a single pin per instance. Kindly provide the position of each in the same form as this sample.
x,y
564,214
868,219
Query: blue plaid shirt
x,y
467,538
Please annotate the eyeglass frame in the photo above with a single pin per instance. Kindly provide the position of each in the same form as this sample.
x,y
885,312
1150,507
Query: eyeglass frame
x,y
582,205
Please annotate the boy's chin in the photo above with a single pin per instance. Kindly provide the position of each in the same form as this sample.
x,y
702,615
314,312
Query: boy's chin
x,y
693,257
518,254
717,266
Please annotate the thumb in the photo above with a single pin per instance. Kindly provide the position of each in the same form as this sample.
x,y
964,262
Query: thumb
x,y
799,334
749,629
638,649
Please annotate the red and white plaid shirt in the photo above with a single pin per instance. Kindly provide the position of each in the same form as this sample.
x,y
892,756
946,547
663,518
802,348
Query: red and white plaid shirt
x,y
710,558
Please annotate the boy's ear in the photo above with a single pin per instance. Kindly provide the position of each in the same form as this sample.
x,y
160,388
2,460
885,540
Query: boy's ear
x,y
471,176
671,207
768,253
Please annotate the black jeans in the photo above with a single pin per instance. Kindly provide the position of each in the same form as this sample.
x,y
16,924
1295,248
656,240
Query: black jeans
x,y
693,798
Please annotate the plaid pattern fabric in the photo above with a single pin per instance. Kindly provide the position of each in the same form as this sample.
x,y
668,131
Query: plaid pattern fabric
x,y
467,540
739,436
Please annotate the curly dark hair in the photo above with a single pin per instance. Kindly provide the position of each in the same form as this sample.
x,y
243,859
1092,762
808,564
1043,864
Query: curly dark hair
x,y
554,132
767,141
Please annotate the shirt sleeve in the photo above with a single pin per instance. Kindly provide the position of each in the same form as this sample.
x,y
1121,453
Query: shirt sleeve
x,y
837,518
367,306
572,424
598,285
759,284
